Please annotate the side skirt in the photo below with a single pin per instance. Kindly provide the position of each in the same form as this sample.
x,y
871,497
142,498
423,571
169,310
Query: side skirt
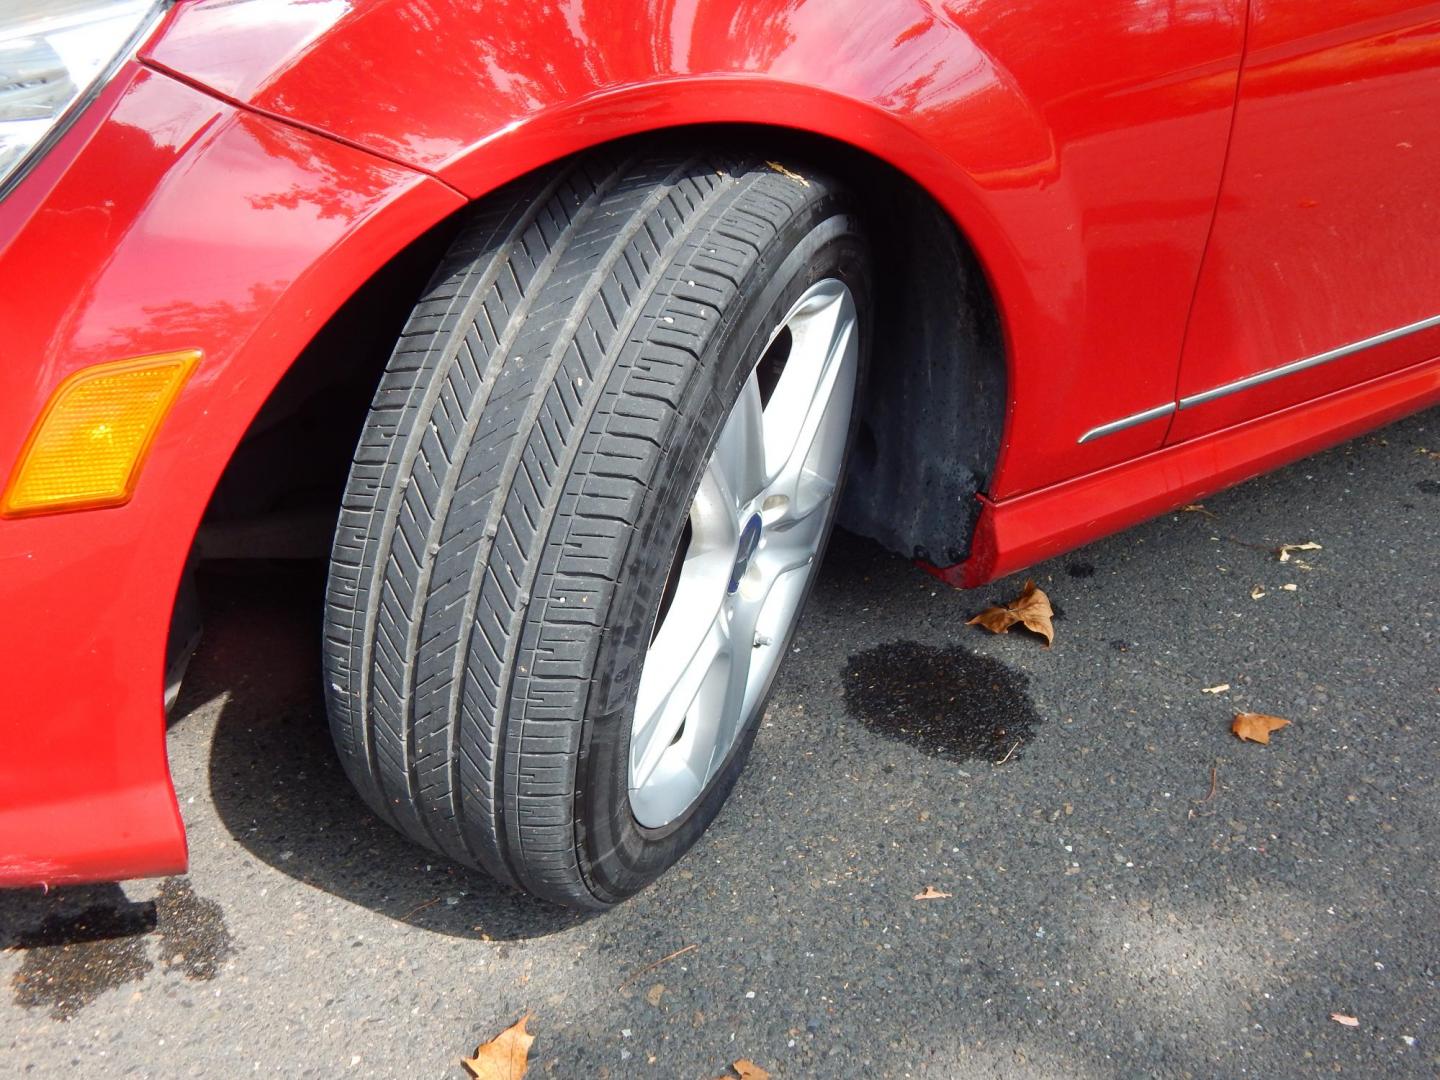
x,y
1015,533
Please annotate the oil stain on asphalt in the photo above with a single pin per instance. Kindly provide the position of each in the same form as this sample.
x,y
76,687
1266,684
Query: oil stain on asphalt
x,y
193,937
70,960
946,702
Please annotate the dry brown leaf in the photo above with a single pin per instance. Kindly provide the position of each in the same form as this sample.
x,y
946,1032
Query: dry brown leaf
x,y
1284,550
655,993
505,1057
747,1070
1256,727
1217,689
789,174
931,893
1257,592
1347,1021
1031,609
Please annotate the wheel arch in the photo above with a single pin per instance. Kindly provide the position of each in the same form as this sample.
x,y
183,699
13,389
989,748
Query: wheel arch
x,y
898,90
931,429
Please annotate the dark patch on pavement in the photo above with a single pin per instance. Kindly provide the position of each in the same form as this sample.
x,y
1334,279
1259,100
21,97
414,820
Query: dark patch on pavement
x,y
193,937
73,959
1429,487
1080,569
946,702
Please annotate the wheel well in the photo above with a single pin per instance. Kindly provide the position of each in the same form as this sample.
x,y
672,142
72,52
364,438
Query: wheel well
x,y
929,432
933,416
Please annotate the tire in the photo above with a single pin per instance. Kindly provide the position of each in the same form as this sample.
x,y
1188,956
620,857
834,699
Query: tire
x,y
518,507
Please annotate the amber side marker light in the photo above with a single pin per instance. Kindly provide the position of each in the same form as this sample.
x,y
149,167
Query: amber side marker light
x,y
86,449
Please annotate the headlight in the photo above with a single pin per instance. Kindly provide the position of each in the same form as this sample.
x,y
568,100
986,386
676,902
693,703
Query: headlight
x,y
53,53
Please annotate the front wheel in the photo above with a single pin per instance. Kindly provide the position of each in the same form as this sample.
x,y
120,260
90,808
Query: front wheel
x,y
586,508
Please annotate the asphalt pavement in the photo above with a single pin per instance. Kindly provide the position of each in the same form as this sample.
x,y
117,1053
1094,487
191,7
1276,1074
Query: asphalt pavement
x,y
1132,891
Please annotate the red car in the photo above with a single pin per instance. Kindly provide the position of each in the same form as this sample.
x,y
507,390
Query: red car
x,y
604,298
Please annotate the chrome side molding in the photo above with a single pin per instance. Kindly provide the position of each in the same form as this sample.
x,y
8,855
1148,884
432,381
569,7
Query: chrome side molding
x,y
1128,422
1258,378
1309,362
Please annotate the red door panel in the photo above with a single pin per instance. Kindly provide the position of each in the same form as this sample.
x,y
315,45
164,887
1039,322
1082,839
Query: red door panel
x,y
1323,267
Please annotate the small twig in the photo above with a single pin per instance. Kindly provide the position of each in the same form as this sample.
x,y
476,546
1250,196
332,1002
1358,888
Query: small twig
x,y
422,907
1214,781
651,967
1008,754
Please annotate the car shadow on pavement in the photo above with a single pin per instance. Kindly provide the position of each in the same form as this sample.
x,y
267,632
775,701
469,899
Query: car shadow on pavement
x,y
277,785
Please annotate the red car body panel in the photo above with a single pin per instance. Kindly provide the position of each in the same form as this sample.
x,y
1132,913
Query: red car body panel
x,y
1087,196
1016,533
1329,212
264,158
170,217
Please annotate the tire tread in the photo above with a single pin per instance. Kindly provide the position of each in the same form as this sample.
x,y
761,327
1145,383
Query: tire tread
x,y
517,427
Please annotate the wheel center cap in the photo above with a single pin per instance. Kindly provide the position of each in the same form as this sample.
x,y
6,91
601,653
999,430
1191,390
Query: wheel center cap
x,y
749,541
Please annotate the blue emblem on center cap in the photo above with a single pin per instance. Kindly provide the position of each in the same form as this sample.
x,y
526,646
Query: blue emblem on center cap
x,y
749,541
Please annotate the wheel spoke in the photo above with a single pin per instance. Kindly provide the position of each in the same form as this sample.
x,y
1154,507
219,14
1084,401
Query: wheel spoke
x,y
713,525
664,708
744,619
789,544
740,451
688,640
807,420
817,324
766,604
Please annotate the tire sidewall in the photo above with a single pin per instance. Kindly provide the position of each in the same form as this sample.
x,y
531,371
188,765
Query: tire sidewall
x,y
617,855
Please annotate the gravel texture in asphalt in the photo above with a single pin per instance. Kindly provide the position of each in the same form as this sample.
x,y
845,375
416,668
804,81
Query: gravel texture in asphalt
x,y
1132,890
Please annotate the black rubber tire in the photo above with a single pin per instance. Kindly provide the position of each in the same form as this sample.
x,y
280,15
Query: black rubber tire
x,y
520,488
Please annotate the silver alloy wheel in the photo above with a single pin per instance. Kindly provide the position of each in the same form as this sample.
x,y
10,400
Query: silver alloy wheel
x,y
757,523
